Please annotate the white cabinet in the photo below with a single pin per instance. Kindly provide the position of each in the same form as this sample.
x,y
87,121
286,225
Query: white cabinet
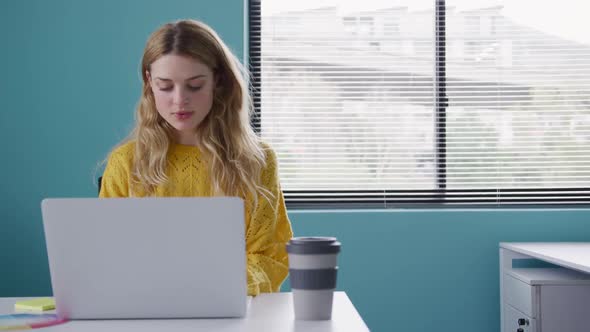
x,y
545,300
515,320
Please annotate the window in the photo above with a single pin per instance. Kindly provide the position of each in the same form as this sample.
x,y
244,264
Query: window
x,y
437,103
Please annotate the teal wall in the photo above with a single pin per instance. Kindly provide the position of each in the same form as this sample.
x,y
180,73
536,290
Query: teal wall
x,y
68,84
432,270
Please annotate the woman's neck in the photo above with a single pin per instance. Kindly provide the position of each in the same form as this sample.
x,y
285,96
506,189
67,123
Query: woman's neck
x,y
186,139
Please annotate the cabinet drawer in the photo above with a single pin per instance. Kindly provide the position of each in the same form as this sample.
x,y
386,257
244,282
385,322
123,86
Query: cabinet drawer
x,y
515,320
519,295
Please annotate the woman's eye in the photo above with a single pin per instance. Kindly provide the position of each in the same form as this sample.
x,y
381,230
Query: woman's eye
x,y
166,88
194,88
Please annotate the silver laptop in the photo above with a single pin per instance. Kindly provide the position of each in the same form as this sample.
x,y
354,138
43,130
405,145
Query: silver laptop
x,y
125,258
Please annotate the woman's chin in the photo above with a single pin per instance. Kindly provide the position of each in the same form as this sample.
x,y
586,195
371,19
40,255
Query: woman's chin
x,y
184,128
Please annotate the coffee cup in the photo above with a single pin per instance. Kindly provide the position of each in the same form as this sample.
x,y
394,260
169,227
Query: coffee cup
x,y
313,269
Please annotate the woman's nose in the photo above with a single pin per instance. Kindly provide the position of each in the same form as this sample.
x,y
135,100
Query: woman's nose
x,y
181,97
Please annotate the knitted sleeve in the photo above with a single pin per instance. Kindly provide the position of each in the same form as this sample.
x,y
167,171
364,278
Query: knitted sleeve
x,y
115,179
267,234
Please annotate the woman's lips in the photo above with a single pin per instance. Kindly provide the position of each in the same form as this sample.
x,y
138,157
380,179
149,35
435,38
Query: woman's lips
x,y
183,115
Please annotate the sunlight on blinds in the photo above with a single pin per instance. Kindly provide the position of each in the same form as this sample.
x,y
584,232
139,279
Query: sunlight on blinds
x,y
347,96
518,84
347,93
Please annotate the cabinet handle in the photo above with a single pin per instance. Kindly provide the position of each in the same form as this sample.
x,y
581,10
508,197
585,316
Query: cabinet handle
x,y
523,321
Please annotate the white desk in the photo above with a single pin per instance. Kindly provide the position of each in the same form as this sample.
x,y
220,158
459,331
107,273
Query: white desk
x,y
267,312
546,299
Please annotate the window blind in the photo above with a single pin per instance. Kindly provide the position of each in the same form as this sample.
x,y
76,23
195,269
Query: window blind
x,y
421,102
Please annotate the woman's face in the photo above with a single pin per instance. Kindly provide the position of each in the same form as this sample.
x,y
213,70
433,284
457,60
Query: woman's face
x,y
183,91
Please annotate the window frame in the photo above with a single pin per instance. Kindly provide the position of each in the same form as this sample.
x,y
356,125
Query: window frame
x,y
439,197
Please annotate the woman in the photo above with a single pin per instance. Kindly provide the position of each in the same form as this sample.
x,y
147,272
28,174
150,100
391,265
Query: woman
x,y
192,137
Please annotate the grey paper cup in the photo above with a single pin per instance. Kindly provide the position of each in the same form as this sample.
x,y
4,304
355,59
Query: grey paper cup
x,y
313,269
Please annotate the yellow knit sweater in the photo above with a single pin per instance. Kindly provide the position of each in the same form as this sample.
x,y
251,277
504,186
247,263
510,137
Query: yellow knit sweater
x,y
267,227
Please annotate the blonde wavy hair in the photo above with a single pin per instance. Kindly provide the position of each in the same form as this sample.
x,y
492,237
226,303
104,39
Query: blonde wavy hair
x,y
235,154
